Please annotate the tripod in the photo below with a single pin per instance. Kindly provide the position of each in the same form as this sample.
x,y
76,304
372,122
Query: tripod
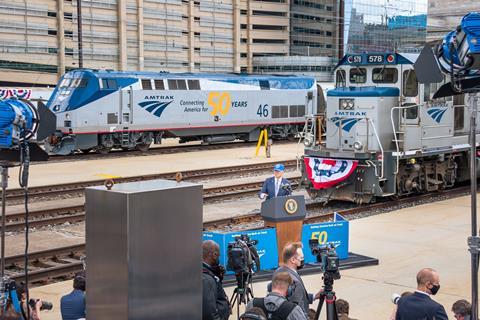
x,y
328,296
243,293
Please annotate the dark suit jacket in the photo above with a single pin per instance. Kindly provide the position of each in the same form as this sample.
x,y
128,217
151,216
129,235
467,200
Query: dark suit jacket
x,y
419,306
299,294
269,188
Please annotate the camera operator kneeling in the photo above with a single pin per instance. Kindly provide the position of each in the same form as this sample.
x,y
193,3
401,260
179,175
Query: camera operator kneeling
x,y
33,307
275,304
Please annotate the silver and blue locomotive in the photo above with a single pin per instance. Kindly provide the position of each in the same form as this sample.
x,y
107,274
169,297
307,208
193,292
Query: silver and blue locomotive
x,y
385,133
102,110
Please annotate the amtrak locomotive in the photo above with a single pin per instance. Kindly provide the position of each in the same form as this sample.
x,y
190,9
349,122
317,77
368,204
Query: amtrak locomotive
x,y
102,110
385,134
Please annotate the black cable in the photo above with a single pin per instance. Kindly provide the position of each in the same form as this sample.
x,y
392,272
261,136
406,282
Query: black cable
x,y
23,181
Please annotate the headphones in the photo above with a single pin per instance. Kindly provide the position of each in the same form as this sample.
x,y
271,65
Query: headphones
x,y
290,290
252,316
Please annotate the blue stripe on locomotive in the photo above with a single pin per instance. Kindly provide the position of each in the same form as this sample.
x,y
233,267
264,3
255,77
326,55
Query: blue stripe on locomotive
x,y
364,92
83,96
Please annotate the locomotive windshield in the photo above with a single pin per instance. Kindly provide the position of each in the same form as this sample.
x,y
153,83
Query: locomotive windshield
x,y
385,75
358,75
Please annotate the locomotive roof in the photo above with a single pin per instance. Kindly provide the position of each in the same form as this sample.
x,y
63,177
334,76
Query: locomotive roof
x,y
185,75
367,59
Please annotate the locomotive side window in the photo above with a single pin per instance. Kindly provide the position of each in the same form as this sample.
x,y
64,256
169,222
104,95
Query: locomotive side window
x,y
193,84
384,75
341,79
410,84
358,75
159,84
279,112
110,84
146,84
459,112
177,84
264,85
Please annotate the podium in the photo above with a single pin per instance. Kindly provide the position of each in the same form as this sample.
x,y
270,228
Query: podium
x,y
286,215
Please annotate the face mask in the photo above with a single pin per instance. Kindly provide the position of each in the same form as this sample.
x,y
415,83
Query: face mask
x,y
302,264
434,289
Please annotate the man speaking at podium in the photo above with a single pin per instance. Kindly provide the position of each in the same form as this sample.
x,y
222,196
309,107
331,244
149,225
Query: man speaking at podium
x,y
276,186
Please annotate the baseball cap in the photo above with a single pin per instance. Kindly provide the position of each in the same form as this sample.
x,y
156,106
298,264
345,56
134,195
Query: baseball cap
x,y
279,167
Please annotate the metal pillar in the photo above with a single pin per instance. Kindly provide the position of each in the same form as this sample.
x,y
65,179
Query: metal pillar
x,y
473,241
4,185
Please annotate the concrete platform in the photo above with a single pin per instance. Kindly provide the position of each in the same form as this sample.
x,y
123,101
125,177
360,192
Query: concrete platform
x,y
432,235
63,172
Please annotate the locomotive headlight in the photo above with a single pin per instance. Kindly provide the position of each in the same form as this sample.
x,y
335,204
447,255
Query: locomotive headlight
x,y
351,104
357,145
346,104
67,116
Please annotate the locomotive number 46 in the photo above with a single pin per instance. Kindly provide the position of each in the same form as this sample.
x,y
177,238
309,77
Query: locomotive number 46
x,y
262,110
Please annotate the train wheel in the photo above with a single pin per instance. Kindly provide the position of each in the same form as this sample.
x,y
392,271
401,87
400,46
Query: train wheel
x,y
85,151
103,150
143,147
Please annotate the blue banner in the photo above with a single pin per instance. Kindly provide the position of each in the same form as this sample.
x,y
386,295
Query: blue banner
x,y
266,247
328,232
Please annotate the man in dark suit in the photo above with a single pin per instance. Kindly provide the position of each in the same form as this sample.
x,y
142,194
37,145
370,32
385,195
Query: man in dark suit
x,y
276,186
419,306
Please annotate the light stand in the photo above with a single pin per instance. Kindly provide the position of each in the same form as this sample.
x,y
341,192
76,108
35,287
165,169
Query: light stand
x,y
474,240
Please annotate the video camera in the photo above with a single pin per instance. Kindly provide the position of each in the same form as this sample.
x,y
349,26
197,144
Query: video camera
x,y
243,255
327,256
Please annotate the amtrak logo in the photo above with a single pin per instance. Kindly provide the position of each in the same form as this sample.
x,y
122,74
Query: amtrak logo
x,y
437,113
155,107
347,123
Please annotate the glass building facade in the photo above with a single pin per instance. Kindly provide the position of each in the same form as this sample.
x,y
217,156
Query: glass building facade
x,y
384,25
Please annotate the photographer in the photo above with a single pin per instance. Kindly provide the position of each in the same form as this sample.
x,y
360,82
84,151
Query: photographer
x,y
33,307
215,301
275,304
293,260
72,305
462,310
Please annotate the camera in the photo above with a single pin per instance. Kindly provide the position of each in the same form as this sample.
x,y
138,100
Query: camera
x,y
242,255
395,298
327,257
45,304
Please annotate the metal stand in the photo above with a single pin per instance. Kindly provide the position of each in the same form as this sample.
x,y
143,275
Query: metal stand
x,y
474,240
328,296
243,293
4,184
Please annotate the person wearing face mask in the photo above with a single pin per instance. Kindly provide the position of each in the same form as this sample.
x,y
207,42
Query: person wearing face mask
x,y
420,305
293,260
215,302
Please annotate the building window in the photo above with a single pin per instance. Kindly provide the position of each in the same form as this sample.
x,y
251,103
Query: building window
x,y
243,12
52,32
68,16
68,34
51,14
270,41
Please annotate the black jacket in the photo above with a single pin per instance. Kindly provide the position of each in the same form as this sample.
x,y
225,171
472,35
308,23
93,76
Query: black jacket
x,y
215,301
419,306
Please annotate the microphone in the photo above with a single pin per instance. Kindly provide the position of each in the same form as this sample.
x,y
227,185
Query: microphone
x,y
395,298
286,187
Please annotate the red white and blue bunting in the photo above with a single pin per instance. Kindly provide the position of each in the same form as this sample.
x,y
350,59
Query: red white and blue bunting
x,y
325,173
18,93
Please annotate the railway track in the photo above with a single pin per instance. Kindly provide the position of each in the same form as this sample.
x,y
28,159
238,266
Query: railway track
x,y
77,188
153,151
61,263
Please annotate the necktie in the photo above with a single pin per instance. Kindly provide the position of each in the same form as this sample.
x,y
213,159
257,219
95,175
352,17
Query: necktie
x,y
277,186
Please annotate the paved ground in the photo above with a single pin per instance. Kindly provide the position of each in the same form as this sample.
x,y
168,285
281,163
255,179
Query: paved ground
x,y
432,235
63,172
